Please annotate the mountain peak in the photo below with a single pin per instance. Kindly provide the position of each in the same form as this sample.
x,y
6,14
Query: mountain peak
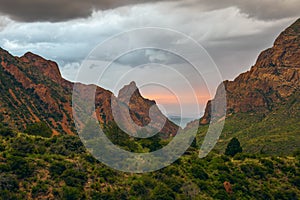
x,y
139,109
273,79
130,90
132,83
289,35
31,56
285,51
47,67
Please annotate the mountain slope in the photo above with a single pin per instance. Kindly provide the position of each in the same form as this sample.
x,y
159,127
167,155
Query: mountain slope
x,y
263,104
33,90
33,167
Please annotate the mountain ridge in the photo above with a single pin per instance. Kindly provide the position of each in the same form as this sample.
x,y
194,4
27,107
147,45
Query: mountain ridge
x,y
263,104
274,77
34,90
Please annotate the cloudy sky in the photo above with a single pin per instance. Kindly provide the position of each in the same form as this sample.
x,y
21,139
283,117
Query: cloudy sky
x,y
232,33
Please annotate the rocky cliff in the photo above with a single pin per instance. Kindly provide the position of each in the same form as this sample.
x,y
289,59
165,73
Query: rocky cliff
x,y
32,89
272,80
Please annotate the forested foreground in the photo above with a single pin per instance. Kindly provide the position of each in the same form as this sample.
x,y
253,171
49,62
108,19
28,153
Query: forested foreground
x,y
35,167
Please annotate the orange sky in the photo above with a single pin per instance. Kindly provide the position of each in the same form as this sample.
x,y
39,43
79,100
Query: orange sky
x,y
171,103
172,99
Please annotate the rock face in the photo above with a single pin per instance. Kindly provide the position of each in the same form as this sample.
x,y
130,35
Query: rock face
x,y
138,106
228,187
143,112
32,90
272,80
46,67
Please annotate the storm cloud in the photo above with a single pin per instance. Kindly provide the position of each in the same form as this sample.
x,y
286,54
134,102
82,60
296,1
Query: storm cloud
x,y
62,10
265,10
59,10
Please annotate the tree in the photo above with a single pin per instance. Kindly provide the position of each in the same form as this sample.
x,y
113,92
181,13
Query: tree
x,y
233,147
40,129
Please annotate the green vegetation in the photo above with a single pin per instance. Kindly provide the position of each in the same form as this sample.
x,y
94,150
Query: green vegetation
x,y
122,139
273,133
233,147
39,128
35,167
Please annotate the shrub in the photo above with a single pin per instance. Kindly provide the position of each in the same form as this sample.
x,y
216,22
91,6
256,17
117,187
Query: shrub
x,y
222,195
233,147
74,177
253,170
152,143
108,174
269,165
8,182
138,189
171,170
72,144
173,183
39,129
148,181
23,145
20,166
198,172
162,192
57,168
71,193
91,159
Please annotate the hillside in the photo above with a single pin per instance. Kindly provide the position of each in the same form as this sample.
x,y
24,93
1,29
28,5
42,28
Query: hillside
x,y
33,90
263,104
32,167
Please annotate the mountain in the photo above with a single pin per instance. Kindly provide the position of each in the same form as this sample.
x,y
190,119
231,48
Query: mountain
x,y
33,90
143,112
263,104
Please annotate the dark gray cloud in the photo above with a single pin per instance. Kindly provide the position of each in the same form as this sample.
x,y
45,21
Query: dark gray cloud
x,y
270,9
234,55
265,10
59,10
62,10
